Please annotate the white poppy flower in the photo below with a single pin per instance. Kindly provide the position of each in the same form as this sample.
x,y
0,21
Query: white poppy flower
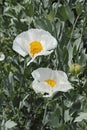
x,y
50,81
34,42
2,56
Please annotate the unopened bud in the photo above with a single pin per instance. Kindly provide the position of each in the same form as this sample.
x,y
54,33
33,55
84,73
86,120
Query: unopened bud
x,y
75,69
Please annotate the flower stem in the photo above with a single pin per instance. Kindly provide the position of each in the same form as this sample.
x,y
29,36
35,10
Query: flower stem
x,y
62,110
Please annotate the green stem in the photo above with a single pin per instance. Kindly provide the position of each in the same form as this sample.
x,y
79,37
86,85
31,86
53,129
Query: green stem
x,y
63,110
45,111
74,27
73,30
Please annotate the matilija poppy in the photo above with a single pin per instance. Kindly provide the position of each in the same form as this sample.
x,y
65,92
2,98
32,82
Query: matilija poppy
x,y
48,81
34,42
2,56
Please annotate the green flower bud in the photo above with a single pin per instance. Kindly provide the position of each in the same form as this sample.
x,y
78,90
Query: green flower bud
x,y
75,69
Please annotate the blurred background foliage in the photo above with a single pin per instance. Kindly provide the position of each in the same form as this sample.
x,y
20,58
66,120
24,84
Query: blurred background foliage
x,y
20,107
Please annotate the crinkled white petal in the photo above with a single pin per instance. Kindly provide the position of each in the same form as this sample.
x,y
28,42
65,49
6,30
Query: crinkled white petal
x,y
63,74
19,49
42,74
2,56
64,87
48,42
20,44
41,87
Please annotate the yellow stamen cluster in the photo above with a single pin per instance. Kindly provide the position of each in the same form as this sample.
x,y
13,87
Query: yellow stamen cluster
x,y
35,48
52,83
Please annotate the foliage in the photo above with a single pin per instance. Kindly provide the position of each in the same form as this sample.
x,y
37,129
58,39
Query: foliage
x,y
20,106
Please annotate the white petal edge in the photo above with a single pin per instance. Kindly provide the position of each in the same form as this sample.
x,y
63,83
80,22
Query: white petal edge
x,y
19,50
63,74
41,87
42,74
63,87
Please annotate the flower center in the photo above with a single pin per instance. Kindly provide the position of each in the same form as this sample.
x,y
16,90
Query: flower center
x,y
51,82
35,47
